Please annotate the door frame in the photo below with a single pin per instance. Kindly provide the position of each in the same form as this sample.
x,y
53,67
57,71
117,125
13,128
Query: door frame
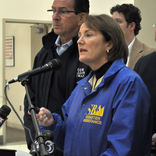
x,y
6,20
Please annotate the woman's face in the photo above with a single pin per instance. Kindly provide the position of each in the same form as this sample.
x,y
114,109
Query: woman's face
x,y
92,47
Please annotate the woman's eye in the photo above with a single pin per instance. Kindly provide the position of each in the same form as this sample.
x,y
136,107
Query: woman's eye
x,y
88,35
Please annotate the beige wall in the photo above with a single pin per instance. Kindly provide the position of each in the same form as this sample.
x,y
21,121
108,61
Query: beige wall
x,y
148,13
103,6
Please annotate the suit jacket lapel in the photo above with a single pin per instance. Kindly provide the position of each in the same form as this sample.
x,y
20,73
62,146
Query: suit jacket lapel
x,y
135,53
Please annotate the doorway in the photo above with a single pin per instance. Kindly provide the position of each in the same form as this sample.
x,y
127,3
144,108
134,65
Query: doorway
x,y
27,42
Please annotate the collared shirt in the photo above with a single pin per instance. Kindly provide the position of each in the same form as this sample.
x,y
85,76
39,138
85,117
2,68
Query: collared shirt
x,y
129,50
62,48
95,82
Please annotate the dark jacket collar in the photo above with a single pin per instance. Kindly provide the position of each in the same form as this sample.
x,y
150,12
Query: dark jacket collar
x,y
49,40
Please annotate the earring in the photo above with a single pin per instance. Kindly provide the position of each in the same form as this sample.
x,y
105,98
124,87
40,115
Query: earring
x,y
107,51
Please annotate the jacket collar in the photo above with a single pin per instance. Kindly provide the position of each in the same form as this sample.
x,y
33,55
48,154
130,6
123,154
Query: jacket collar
x,y
116,66
49,40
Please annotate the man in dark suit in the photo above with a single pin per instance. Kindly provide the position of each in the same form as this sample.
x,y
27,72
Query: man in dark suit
x,y
146,68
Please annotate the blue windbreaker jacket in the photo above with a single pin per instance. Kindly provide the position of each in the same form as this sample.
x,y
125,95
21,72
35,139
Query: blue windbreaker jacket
x,y
113,120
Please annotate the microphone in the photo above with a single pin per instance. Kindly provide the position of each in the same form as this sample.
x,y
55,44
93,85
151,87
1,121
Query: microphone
x,y
48,137
54,64
50,146
4,112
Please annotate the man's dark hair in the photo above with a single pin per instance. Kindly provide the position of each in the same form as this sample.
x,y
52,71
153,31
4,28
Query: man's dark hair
x,y
81,6
131,14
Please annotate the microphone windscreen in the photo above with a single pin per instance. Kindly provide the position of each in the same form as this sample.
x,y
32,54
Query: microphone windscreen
x,y
5,111
55,64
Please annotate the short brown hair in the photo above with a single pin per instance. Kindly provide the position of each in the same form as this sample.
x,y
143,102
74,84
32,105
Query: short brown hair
x,y
111,31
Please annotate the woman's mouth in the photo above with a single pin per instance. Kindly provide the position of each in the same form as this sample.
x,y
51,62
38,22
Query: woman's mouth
x,y
82,50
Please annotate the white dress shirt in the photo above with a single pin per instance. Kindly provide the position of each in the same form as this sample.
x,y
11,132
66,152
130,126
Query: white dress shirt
x,y
129,50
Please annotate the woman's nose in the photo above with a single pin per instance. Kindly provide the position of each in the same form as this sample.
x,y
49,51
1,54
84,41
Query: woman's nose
x,y
80,40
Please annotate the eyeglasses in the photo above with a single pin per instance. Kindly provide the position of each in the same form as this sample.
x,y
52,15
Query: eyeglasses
x,y
60,12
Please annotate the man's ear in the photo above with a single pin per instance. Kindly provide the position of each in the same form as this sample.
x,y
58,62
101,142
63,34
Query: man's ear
x,y
132,26
82,17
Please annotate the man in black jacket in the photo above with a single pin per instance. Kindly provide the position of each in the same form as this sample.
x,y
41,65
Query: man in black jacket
x,y
146,68
52,89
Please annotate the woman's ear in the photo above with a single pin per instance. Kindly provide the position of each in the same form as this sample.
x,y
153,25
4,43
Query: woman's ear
x,y
109,45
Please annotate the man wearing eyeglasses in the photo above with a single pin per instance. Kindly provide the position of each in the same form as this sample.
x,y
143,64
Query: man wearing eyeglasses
x,y
146,68
52,89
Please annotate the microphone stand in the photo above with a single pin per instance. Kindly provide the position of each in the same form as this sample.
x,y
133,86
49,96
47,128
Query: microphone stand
x,y
32,110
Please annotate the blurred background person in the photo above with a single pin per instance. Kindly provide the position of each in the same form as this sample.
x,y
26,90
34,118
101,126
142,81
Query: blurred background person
x,y
146,68
129,18
109,111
